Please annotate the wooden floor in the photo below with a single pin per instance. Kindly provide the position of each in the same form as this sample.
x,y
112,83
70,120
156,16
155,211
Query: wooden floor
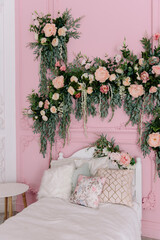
x,y
2,217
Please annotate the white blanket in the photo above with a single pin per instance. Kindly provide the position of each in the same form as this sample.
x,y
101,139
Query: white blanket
x,y
56,219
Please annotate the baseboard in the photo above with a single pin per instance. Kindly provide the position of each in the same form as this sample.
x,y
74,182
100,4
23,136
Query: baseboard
x,y
151,229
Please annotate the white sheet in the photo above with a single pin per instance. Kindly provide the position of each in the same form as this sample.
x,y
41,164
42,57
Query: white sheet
x,y
56,219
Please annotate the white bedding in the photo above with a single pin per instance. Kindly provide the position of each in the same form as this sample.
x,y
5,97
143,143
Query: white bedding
x,y
56,219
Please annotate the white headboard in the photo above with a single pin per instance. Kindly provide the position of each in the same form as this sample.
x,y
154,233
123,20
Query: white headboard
x,y
137,183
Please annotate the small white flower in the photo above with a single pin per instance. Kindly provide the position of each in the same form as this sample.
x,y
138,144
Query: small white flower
x,y
91,78
36,117
87,66
43,40
85,75
36,36
55,42
42,112
74,79
55,96
83,62
40,104
119,70
136,67
118,58
45,118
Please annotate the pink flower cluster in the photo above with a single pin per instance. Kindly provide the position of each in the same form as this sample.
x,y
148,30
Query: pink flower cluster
x,y
62,67
121,158
154,140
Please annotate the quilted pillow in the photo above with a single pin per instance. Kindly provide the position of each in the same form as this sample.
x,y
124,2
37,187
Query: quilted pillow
x,y
56,182
117,187
87,191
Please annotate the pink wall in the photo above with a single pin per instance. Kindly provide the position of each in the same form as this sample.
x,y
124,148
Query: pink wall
x,y
103,30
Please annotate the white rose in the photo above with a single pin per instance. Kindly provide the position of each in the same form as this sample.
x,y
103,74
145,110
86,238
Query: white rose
x,y
136,67
45,118
55,96
36,117
74,79
91,78
62,31
42,112
87,66
85,75
40,104
55,42
43,40
119,70
83,62
118,58
36,36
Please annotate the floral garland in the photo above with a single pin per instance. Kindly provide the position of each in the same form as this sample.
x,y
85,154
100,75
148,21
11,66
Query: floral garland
x,y
103,148
89,87
151,138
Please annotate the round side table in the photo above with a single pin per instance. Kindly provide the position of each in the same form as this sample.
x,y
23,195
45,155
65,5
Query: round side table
x,y
8,190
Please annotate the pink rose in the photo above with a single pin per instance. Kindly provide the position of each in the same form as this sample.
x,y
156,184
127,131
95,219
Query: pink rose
x,y
141,61
71,90
156,69
53,109
104,89
63,68
158,85
50,29
101,74
89,90
156,36
144,76
125,159
153,89
154,140
46,104
127,81
57,64
136,90
58,82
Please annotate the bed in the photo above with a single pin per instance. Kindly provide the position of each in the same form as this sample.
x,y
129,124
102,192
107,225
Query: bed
x,y
54,218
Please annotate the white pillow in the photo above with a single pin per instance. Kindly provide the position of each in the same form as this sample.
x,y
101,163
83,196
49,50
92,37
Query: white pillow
x,y
62,162
56,182
94,163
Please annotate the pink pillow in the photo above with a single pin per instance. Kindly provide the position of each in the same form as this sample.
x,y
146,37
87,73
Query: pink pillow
x,y
87,191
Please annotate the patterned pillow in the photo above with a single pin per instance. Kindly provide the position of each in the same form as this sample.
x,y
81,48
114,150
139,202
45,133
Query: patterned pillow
x,y
117,187
87,191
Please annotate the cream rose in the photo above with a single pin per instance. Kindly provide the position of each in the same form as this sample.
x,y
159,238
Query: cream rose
x,y
62,31
144,76
53,109
50,29
43,40
55,42
119,70
74,79
71,90
153,89
45,118
91,78
112,77
141,61
87,66
58,82
40,104
101,74
55,96
156,69
42,112
136,90
89,90
154,140
84,75
127,81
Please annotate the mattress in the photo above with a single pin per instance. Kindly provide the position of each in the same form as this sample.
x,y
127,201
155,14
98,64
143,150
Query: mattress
x,y
56,219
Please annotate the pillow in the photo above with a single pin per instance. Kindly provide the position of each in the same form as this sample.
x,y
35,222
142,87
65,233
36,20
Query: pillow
x,y
83,170
87,191
61,162
117,187
94,163
56,182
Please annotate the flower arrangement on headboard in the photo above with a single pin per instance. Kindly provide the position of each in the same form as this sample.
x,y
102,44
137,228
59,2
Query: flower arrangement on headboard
x,y
124,80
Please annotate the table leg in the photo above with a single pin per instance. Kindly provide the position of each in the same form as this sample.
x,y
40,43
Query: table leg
x,y
6,208
24,200
10,206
